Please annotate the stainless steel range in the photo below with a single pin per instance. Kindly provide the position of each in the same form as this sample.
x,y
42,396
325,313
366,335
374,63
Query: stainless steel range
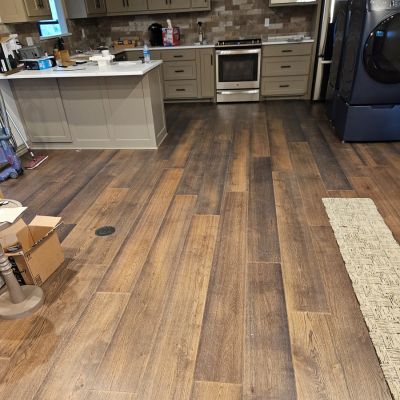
x,y
238,70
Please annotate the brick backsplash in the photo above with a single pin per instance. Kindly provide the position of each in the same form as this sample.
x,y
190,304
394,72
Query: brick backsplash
x,y
228,19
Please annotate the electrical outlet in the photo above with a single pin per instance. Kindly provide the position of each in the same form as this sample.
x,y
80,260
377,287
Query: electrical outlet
x,y
266,22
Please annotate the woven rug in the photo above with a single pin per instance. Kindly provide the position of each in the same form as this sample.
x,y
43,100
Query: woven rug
x,y
372,258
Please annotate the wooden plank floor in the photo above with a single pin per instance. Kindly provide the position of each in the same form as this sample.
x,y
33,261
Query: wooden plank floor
x,y
223,279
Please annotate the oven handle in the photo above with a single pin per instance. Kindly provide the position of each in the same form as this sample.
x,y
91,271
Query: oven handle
x,y
238,91
233,52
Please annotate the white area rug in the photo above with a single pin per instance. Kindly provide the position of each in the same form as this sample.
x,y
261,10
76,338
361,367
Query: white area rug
x,y
372,258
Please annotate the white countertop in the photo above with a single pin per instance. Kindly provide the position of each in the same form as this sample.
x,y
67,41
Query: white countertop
x,y
126,68
270,42
192,46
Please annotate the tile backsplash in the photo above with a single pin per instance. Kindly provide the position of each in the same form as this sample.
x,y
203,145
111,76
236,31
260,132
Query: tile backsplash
x,y
228,19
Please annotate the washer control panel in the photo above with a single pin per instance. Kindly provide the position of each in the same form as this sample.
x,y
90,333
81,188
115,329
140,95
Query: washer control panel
x,y
376,5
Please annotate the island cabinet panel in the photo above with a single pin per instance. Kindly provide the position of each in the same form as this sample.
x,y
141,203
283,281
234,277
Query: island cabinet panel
x,y
85,106
125,106
42,110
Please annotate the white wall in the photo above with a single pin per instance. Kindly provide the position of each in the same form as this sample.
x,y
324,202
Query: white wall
x,y
12,109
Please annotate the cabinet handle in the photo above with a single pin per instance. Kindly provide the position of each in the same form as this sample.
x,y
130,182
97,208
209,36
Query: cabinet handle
x,y
212,60
97,5
181,90
283,86
178,56
286,66
287,51
127,3
179,70
123,3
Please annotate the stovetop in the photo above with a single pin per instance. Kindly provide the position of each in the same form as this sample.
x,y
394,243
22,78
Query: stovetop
x,y
239,43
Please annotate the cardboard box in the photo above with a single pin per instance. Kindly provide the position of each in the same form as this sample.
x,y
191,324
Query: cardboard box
x,y
41,252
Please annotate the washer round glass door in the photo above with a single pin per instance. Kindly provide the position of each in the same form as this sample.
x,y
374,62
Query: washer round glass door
x,y
382,51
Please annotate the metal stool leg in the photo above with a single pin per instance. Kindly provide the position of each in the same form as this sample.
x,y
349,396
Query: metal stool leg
x,y
18,301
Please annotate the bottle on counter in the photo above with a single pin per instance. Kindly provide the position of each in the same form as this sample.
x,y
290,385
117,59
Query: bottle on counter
x,y
200,31
146,53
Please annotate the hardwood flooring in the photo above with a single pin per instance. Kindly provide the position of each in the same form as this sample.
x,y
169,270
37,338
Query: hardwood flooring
x,y
223,279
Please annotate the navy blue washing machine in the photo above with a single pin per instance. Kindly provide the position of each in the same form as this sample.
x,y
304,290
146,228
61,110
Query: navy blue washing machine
x,y
368,99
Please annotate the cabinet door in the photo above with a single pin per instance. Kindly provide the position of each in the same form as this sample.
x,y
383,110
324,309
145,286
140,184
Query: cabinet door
x,y
207,73
94,7
200,3
158,4
179,4
12,11
37,8
136,5
116,6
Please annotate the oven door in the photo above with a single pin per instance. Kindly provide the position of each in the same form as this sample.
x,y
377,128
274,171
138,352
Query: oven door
x,y
238,69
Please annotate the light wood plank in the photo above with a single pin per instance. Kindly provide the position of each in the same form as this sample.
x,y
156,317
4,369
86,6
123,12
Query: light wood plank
x,y
318,370
75,369
34,359
170,369
98,395
237,178
279,147
221,343
259,136
134,338
215,391
129,262
342,193
268,369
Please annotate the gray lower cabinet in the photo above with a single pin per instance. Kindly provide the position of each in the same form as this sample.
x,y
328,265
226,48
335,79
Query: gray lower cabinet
x,y
206,78
286,69
188,73
42,109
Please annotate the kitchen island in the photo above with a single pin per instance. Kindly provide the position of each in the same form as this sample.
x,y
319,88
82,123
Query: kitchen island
x,y
118,106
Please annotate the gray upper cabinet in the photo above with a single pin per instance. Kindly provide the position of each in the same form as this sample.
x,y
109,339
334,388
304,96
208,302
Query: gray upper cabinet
x,y
168,4
85,8
95,7
158,4
14,11
37,8
201,4
179,4
115,7
126,6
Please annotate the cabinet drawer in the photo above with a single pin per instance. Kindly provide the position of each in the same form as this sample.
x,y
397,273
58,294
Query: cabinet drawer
x,y
177,55
290,86
180,89
292,49
179,70
136,55
286,66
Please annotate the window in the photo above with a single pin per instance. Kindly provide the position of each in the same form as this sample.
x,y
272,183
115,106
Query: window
x,y
57,26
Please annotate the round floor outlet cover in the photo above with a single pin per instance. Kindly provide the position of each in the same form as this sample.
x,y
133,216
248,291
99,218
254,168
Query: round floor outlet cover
x,y
105,231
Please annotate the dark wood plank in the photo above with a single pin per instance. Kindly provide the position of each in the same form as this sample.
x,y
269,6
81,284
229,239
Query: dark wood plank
x,y
169,373
304,287
221,343
263,240
268,369
118,372
237,177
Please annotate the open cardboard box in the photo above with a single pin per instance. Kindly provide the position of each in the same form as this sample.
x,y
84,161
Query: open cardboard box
x,y
41,252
